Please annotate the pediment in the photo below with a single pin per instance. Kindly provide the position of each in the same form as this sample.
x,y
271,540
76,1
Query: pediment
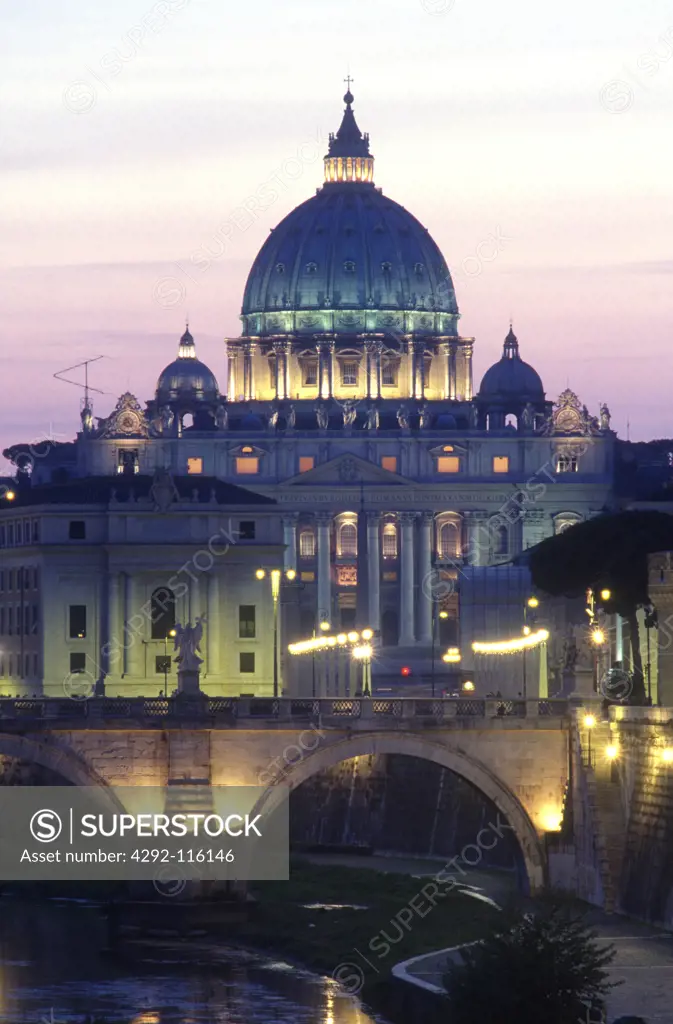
x,y
347,468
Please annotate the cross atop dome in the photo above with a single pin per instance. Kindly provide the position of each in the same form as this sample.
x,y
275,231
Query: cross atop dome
x,y
348,157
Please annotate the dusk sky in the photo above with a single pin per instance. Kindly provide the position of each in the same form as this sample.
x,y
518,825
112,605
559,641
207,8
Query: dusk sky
x,y
134,136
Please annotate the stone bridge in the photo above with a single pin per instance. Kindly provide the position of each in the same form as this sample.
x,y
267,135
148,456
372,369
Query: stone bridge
x,y
515,752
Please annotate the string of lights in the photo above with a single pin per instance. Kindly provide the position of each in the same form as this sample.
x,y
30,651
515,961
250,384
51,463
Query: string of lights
x,y
519,643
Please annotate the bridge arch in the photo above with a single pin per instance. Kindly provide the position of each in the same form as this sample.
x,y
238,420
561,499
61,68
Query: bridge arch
x,y
47,754
329,753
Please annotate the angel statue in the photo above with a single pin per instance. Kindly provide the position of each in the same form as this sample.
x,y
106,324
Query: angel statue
x,y
290,417
167,418
222,417
604,417
350,411
403,417
372,417
322,415
188,644
272,420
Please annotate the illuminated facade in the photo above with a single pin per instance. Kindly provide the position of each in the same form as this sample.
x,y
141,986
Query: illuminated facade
x,y
350,409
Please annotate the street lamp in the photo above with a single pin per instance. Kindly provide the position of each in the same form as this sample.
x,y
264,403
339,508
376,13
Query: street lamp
x,y
363,653
171,633
528,612
276,577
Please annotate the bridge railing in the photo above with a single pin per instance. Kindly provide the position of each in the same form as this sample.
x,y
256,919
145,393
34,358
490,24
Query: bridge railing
x,y
227,711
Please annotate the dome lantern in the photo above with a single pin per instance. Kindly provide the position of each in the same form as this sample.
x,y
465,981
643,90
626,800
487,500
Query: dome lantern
x,y
348,157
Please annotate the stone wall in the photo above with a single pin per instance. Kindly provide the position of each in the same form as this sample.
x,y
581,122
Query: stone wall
x,y
647,788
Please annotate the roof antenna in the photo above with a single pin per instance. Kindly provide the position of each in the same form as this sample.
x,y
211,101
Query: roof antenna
x,y
87,388
628,429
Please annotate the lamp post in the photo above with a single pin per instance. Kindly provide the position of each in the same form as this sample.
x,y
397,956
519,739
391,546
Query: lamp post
x,y
528,616
171,633
276,576
442,614
363,653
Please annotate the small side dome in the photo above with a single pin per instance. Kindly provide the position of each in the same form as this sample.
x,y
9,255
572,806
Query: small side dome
x,y
510,377
186,378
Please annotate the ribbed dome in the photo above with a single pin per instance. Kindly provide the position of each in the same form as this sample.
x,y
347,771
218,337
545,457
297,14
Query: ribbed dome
x,y
510,377
187,377
349,259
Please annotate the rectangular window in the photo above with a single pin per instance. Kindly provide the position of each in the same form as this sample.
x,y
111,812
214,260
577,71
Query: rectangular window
x,y
247,466
194,466
162,664
566,464
501,464
389,370
246,621
389,545
246,662
306,463
246,529
389,462
349,372
77,622
77,661
310,372
307,544
448,464
77,529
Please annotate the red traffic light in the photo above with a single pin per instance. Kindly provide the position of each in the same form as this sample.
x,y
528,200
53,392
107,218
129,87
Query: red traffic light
x,y
406,671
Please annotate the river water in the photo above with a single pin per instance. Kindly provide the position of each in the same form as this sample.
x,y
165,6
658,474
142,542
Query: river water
x,y
54,970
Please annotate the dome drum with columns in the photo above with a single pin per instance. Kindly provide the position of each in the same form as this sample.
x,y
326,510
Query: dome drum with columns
x,y
349,273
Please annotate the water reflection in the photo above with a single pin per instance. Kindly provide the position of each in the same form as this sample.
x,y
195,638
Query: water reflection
x,y
53,971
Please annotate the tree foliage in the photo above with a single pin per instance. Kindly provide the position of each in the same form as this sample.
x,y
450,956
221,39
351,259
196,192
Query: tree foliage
x,y
541,967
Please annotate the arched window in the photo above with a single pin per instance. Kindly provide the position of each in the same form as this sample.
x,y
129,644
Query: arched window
x,y
448,541
501,541
565,521
306,544
162,604
348,540
187,421
389,545
511,421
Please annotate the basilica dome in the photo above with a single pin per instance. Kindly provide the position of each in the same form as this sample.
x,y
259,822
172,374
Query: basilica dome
x,y
510,377
186,378
349,259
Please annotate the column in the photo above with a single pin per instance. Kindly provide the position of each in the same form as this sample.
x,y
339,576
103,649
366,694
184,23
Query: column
x,y
276,352
233,366
379,349
113,660
323,521
290,541
453,388
407,634
213,625
330,366
196,597
446,349
426,590
134,632
374,568
468,372
248,381
478,537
